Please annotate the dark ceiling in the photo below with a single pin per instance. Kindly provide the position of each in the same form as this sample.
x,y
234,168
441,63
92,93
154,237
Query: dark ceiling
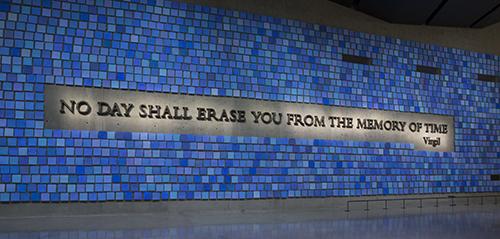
x,y
453,13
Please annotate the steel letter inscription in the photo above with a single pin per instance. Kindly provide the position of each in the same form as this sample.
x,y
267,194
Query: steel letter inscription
x,y
122,110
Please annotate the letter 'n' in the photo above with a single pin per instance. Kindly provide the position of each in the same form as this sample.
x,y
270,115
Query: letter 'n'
x,y
65,105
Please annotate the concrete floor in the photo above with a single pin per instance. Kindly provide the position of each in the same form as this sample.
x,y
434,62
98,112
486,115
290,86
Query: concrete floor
x,y
429,222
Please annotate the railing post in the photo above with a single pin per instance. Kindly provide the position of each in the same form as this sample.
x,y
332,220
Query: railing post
x,y
452,203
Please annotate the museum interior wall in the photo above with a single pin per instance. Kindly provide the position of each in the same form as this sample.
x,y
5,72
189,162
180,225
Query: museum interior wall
x,y
168,47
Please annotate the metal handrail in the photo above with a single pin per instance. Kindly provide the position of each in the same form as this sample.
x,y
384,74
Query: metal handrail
x,y
451,197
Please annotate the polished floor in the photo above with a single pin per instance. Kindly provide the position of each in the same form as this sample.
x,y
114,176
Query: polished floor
x,y
441,225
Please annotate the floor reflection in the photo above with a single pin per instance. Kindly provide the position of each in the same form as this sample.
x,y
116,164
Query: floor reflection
x,y
442,226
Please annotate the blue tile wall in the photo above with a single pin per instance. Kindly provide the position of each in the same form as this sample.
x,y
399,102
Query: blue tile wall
x,y
166,46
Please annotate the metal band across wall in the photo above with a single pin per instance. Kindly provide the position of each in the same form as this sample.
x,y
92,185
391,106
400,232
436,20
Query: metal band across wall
x,y
121,110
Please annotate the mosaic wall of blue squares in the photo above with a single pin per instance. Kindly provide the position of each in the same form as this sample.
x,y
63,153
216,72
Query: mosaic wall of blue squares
x,y
166,46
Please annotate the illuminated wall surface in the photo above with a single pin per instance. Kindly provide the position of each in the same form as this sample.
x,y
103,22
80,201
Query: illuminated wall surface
x,y
164,46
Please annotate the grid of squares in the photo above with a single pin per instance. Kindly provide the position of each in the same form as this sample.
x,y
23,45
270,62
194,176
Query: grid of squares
x,y
166,46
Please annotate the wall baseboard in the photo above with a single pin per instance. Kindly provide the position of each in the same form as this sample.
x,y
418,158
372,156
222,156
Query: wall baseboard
x,y
15,210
